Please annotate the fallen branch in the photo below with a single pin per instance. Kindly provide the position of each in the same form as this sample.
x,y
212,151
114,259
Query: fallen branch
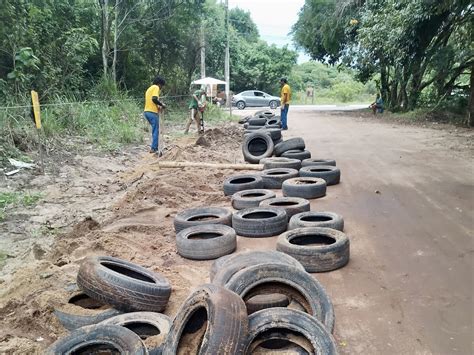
x,y
186,164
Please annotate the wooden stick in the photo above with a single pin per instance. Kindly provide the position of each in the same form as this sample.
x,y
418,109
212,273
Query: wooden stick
x,y
187,164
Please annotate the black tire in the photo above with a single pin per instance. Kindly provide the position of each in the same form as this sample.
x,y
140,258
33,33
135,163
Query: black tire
x,y
315,334
305,187
265,113
297,154
257,146
331,174
278,141
221,313
96,338
240,105
291,205
225,267
202,215
279,162
206,242
242,182
250,198
78,305
124,285
259,222
289,144
273,178
273,122
317,219
272,126
275,133
145,325
295,283
253,127
318,249
246,125
316,162
260,302
273,104
257,121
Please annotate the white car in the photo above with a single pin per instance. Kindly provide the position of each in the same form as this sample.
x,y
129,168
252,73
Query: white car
x,y
255,98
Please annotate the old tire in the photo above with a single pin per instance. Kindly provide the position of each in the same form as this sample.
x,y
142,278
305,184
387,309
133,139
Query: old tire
x,y
331,174
291,205
206,242
257,146
250,198
305,187
275,133
124,285
95,338
221,313
289,325
202,215
317,219
273,178
297,154
279,162
257,121
225,267
317,249
145,325
274,122
78,305
289,144
260,302
242,182
316,162
283,279
259,222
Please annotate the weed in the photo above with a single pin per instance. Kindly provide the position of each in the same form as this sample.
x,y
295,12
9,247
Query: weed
x,y
9,200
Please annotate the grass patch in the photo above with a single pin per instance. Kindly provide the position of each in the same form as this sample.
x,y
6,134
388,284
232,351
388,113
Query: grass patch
x,y
423,115
9,200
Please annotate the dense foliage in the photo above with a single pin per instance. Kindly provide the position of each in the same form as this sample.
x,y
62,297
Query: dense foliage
x,y
420,51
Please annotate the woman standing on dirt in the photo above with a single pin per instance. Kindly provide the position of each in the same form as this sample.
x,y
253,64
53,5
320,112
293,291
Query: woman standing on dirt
x,y
152,109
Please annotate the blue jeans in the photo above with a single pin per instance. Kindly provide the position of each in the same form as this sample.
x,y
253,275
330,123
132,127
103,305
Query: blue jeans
x,y
284,117
154,120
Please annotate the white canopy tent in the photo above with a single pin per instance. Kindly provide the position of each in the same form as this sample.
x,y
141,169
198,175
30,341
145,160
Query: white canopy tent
x,y
209,81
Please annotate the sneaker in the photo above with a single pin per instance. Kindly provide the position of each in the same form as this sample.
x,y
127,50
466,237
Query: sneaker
x,y
153,151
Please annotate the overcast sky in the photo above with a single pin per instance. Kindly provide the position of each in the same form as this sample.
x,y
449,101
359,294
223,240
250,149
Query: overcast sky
x,y
274,18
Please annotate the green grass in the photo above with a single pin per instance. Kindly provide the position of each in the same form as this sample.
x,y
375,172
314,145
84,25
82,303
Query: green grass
x,y
9,200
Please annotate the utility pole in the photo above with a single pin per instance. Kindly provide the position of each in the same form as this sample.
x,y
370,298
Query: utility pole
x,y
203,51
227,59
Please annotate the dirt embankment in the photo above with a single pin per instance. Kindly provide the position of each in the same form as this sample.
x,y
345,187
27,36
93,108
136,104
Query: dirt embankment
x,y
136,225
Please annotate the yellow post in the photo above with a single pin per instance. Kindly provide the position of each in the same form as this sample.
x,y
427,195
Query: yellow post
x,y
37,116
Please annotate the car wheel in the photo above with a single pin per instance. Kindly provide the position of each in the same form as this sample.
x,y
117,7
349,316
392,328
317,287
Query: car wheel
x,y
273,105
240,105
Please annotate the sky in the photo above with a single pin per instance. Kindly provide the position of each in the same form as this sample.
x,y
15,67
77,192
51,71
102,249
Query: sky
x,y
274,19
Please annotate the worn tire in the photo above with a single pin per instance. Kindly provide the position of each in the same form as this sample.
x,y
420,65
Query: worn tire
x,y
96,336
317,249
317,162
291,205
289,144
331,174
75,318
260,302
257,121
225,267
145,325
275,133
265,113
279,162
226,317
242,182
259,222
202,215
216,240
124,285
296,284
257,146
273,178
252,127
317,219
306,187
315,334
274,122
250,198
297,154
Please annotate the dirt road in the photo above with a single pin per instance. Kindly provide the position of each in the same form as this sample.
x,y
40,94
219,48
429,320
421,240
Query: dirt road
x,y
406,195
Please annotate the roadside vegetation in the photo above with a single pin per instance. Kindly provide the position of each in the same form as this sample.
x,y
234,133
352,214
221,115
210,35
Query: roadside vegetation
x,y
10,200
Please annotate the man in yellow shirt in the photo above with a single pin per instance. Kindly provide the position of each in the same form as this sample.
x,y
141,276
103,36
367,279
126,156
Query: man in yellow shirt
x,y
153,105
285,97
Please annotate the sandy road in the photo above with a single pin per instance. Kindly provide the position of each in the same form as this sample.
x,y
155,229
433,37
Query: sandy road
x,y
409,284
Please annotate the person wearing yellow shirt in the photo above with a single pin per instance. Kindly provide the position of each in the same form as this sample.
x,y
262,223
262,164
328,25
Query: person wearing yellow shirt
x,y
153,106
285,97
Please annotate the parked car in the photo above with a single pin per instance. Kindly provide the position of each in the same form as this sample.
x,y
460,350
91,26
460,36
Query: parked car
x,y
255,98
